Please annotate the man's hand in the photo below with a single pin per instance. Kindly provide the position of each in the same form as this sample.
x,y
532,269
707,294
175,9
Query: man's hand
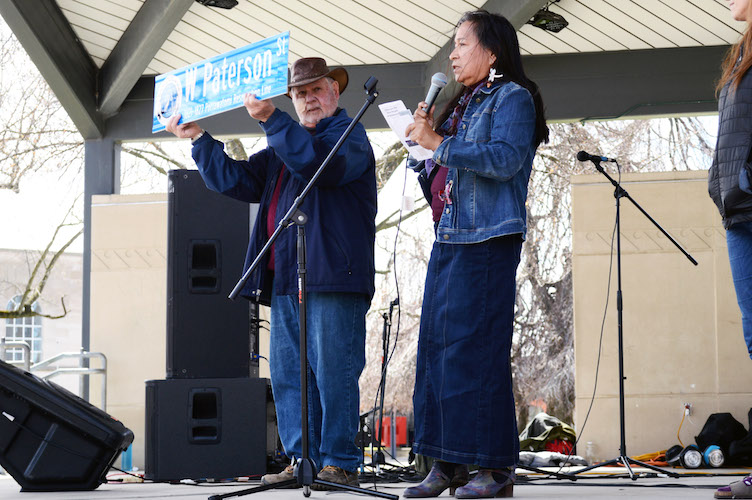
x,y
183,131
259,110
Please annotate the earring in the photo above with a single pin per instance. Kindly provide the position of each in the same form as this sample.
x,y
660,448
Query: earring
x,y
492,77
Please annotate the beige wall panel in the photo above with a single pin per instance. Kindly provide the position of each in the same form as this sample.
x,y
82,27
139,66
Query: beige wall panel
x,y
128,302
681,325
651,423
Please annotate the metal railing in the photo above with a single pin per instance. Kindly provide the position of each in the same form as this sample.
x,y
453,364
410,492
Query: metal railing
x,y
52,362
14,344
81,371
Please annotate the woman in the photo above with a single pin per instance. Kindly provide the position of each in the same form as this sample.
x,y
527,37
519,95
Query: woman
x,y
729,182
483,146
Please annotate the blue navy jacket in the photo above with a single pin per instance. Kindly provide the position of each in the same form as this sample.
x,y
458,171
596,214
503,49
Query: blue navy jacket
x,y
489,162
341,207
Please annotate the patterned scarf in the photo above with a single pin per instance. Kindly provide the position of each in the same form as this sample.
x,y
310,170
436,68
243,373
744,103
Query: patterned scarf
x,y
454,119
449,128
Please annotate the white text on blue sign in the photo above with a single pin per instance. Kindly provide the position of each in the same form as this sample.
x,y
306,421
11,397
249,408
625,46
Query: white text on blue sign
x,y
219,84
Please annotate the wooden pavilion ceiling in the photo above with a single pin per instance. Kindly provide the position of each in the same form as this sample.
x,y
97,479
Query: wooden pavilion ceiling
x,y
100,56
359,32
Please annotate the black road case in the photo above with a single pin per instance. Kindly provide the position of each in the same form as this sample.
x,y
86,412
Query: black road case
x,y
52,440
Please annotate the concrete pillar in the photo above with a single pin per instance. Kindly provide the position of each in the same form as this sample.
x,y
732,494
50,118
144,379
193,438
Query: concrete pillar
x,y
101,176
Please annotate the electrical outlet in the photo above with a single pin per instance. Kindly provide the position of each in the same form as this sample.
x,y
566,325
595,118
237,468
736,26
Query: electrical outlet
x,y
687,409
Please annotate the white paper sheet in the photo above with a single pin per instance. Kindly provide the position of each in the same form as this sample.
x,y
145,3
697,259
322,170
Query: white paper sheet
x,y
398,117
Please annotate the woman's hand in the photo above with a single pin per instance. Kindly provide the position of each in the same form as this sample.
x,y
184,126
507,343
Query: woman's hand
x,y
421,130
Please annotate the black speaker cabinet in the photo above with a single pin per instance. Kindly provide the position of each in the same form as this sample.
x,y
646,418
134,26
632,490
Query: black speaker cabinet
x,y
52,440
207,334
205,428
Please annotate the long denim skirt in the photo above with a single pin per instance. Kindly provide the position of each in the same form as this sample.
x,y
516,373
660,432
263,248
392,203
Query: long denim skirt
x,y
463,399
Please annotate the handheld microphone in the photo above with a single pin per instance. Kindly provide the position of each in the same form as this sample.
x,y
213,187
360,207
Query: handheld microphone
x,y
438,82
583,156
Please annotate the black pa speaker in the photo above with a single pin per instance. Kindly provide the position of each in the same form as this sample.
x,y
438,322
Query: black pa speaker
x,y
52,440
208,335
206,428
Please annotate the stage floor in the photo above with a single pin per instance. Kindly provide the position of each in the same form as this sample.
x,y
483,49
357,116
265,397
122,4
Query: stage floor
x,y
604,483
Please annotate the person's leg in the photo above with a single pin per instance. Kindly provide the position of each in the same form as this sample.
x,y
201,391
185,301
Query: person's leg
x,y
464,355
464,365
497,452
284,363
443,475
336,347
739,242
425,405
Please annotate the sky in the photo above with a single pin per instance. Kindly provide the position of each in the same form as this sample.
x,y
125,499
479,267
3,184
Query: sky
x,y
31,216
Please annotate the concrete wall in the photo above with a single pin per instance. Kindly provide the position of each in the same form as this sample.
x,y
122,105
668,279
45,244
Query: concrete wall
x,y
681,325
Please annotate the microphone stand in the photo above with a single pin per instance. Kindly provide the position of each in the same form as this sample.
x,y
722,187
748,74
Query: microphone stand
x,y
377,458
623,459
305,471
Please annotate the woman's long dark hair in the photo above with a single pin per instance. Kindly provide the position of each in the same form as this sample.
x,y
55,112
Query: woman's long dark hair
x,y
497,34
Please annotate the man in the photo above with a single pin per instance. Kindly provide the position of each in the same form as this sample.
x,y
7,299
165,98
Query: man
x,y
340,233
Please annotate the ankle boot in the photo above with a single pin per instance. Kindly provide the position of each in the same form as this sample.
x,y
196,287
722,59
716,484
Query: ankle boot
x,y
443,475
489,483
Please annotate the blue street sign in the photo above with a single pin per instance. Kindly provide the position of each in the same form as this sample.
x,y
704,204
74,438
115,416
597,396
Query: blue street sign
x,y
218,84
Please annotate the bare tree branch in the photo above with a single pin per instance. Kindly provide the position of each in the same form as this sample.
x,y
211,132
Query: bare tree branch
x,y
27,312
391,222
144,155
388,163
34,286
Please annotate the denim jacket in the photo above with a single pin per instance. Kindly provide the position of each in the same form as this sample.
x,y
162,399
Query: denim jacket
x,y
489,161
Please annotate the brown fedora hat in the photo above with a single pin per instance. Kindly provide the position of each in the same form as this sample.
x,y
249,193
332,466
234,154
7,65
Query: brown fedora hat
x,y
309,69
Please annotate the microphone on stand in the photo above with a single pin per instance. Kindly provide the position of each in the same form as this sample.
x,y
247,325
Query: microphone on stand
x,y
583,156
438,82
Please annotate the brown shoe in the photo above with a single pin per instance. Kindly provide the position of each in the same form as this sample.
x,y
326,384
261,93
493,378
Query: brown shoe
x,y
285,475
334,474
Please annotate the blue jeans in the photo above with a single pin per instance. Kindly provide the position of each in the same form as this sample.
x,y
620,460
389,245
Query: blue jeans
x,y
336,332
739,241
